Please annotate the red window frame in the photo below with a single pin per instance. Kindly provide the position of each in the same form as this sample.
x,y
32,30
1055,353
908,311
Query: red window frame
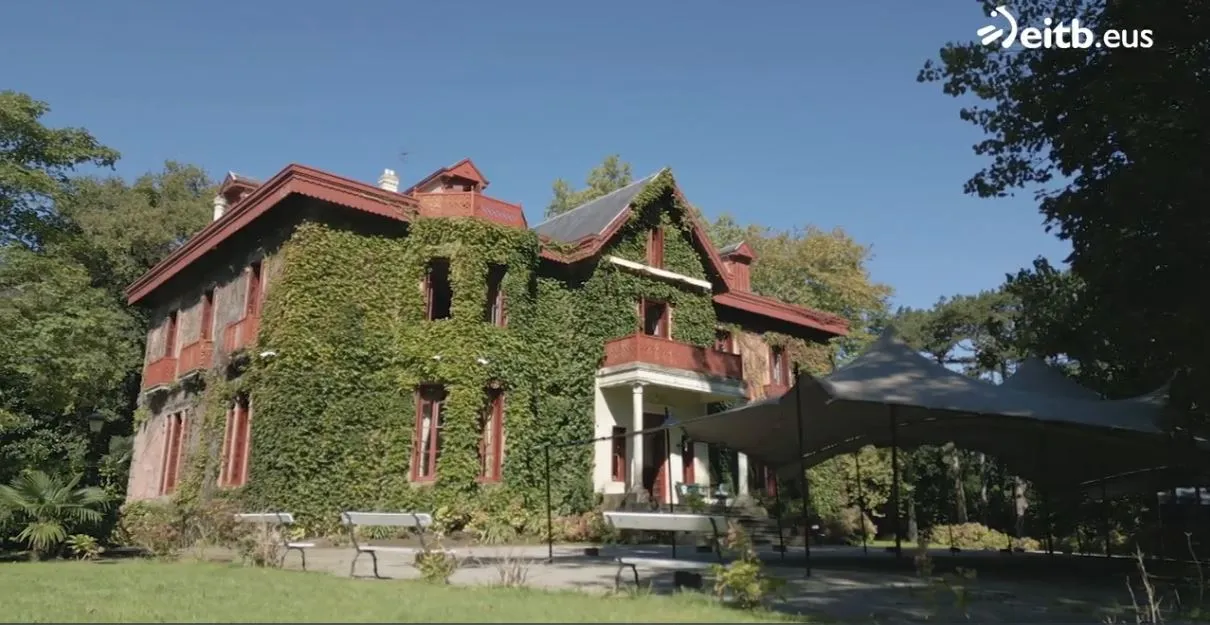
x,y
779,370
723,341
253,301
208,315
491,437
174,450
663,327
617,454
426,450
237,444
495,296
655,247
170,336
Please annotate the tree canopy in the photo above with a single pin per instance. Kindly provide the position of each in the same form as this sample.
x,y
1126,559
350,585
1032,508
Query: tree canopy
x,y
612,174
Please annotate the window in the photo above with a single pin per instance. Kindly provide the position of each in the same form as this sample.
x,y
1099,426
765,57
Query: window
x,y
656,318
779,371
170,336
491,428
438,295
687,461
617,471
494,312
655,247
174,450
722,341
237,443
427,448
208,315
252,302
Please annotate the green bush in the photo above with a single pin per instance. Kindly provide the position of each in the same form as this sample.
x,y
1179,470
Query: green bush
x,y
975,536
845,526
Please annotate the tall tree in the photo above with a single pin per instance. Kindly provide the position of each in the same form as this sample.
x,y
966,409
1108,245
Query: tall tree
x,y
612,174
35,163
1116,144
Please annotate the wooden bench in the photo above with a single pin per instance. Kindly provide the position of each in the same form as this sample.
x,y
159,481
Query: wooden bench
x,y
416,521
279,520
709,524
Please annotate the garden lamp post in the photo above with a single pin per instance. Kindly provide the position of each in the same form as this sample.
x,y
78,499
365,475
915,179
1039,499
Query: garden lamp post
x,y
96,422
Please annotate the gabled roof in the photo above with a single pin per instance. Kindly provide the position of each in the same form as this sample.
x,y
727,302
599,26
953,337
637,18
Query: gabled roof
x,y
463,169
739,249
294,179
592,218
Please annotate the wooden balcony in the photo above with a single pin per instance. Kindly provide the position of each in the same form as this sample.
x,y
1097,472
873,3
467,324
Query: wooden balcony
x,y
471,204
240,334
196,356
653,350
776,390
159,373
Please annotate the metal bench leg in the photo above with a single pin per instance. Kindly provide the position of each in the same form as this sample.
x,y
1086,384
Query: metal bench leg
x,y
374,557
617,578
301,553
353,564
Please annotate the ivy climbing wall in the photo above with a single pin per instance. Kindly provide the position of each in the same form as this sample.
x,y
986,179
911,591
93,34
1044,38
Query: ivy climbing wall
x,y
334,412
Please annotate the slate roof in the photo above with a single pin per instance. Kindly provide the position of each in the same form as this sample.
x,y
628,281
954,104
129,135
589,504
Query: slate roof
x,y
723,251
592,217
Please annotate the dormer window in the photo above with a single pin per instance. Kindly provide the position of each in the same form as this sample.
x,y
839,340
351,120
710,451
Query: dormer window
x,y
656,318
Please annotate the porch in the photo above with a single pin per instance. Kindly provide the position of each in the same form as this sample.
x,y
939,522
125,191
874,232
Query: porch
x,y
643,381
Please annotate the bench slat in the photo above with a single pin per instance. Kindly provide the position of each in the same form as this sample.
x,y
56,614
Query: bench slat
x,y
387,519
666,521
284,518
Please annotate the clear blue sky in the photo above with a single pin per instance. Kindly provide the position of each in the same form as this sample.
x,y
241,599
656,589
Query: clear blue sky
x,y
783,113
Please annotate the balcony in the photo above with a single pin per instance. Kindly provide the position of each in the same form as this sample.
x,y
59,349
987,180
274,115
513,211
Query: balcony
x,y
776,390
653,350
471,204
196,356
240,334
159,373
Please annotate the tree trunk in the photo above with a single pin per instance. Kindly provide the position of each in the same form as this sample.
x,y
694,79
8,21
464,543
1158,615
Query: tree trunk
x,y
1022,504
959,490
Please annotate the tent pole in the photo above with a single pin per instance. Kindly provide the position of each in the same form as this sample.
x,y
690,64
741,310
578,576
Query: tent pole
x,y
861,505
895,481
668,470
1045,503
1014,495
1159,513
1105,517
550,534
802,474
781,535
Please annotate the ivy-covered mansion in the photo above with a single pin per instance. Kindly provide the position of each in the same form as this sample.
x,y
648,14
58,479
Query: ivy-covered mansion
x,y
327,344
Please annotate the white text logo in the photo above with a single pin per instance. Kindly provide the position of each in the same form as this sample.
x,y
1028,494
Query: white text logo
x,y
1058,34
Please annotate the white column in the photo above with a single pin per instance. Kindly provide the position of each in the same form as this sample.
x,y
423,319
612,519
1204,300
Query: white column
x,y
677,470
636,442
742,478
701,464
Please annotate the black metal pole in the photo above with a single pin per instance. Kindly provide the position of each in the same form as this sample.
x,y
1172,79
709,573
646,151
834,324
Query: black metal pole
x,y
802,473
861,505
1047,513
781,535
1159,512
550,522
1016,514
895,482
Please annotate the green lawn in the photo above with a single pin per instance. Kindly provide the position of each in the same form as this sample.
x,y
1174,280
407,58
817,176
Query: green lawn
x,y
206,592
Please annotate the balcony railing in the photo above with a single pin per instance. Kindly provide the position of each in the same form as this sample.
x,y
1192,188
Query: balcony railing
x,y
196,356
160,373
471,204
240,334
654,350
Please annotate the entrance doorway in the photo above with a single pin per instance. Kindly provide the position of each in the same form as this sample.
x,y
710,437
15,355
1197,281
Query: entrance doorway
x,y
655,459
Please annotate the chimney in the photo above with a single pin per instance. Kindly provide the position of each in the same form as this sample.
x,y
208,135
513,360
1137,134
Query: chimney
x,y
220,207
738,260
388,181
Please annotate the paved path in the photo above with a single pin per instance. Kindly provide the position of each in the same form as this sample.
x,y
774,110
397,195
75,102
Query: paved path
x,y
847,594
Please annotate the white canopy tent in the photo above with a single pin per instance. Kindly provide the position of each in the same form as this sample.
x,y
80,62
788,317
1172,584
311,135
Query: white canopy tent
x,y
1040,424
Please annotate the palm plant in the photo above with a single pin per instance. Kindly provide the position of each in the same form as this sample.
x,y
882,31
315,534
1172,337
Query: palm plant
x,y
50,506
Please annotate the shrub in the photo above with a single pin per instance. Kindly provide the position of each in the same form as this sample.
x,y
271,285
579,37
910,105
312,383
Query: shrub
x,y
435,564
845,527
744,579
84,547
49,507
154,527
975,536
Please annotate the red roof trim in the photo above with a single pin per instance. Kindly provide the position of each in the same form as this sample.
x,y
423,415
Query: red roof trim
x,y
293,179
777,309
